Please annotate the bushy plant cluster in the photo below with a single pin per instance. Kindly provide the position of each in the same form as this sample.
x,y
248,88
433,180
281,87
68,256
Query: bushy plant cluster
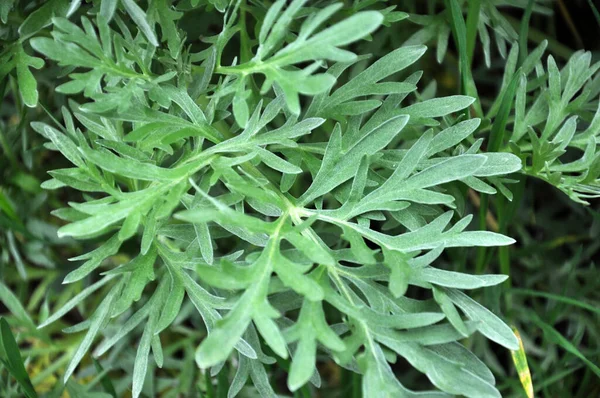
x,y
271,198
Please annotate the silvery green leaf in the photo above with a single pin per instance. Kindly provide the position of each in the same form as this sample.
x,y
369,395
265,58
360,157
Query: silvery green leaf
x,y
437,107
94,259
446,374
346,165
489,324
456,279
97,320
139,17
69,305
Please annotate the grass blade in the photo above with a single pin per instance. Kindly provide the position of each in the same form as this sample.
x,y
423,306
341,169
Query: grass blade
x,y
520,360
553,335
13,361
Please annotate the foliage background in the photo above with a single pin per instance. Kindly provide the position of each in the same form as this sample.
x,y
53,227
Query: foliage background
x,y
554,292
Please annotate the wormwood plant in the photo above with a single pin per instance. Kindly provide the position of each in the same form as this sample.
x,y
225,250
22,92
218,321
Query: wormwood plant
x,y
290,202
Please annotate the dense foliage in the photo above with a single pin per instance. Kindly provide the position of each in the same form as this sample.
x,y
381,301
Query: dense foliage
x,y
265,198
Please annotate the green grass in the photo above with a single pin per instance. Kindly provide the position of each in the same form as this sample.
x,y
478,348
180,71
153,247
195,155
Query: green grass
x,y
221,198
